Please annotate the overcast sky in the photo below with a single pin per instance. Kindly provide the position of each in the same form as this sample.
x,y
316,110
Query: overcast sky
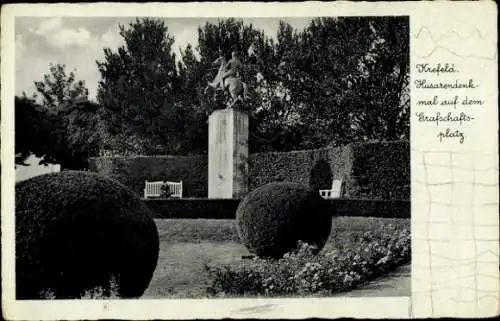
x,y
79,42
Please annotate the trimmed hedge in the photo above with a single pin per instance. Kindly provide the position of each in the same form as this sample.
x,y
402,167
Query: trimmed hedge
x,y
380,171
226,208
371,208
315,168
193,208
370,170
78,232
133,171
273,218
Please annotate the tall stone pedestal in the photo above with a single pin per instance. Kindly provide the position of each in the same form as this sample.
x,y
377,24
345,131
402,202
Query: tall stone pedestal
x,y
227,154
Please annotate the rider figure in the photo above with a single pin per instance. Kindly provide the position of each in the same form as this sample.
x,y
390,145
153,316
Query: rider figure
x,y
233,67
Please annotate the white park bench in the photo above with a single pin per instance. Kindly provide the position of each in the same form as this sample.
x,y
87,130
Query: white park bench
x,y
154,189
334,192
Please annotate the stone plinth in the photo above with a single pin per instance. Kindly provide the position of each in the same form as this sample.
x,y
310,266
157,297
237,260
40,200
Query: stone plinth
x,y
227,154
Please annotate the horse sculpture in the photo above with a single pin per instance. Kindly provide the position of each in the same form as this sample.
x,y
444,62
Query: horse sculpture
x,y
233,85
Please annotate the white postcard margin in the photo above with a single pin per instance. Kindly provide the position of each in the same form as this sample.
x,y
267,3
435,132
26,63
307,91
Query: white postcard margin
x,y
455,226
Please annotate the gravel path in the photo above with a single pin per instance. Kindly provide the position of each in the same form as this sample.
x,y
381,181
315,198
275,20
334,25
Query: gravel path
x,y
395,283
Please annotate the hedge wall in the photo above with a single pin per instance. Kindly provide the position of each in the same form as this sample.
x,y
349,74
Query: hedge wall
x,y
380,171
193,208
371,208
369,170
133,171
226,208
316,168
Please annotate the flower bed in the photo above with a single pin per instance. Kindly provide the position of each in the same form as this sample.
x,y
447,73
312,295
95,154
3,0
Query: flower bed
x,y
369,255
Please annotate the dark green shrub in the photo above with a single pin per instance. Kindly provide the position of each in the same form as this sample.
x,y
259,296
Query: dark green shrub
x,y
77,231
321,175
274,217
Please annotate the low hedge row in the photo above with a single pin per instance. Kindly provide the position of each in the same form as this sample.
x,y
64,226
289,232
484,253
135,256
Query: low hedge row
x,y
226,208
371,208
193,208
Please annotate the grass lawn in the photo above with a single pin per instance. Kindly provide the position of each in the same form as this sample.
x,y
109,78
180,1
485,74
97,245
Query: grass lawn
x,y
187,245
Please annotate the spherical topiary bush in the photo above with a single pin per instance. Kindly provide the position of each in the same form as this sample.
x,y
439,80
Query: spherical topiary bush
x,y
77,232
274,217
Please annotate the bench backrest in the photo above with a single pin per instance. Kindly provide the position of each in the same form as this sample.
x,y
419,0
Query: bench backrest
x,y
334,192
337,186
175,189
154,189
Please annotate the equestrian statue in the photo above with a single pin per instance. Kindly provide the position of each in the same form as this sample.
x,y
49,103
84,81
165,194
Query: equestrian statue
x,y
228,79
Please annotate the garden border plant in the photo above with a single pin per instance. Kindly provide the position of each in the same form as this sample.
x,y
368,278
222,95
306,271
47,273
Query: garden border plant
x,y
303,273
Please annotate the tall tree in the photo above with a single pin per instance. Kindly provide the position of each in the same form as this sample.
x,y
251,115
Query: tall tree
x,y
138,88
339,76
190,96
59,88
385,66
31,129
279,126
336,81
47,128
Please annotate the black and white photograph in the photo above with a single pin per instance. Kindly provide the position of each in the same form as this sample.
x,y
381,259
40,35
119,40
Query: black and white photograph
x,y
249,160
163,157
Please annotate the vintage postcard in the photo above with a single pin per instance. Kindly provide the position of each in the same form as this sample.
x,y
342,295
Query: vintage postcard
x,y
249,160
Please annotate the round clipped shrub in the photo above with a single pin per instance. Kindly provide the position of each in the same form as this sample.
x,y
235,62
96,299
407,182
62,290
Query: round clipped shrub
x,y
77,232
272,219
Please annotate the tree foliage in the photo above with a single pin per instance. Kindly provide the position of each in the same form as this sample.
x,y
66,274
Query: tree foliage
x,y
59,88
343,79
60,127
336,81
30,128
138,87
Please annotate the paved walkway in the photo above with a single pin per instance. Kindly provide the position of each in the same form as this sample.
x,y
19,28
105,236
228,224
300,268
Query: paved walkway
x,y
395,283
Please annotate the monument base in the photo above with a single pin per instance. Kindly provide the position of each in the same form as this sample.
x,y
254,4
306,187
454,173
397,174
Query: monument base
x,y
227,154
